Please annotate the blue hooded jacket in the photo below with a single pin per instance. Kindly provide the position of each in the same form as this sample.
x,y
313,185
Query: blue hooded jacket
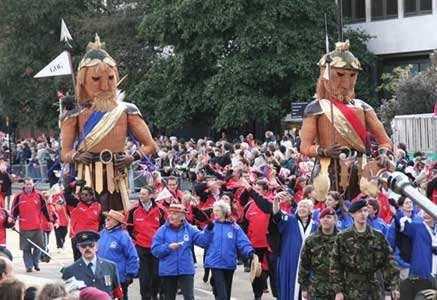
x,y
180,261
228,240
116,245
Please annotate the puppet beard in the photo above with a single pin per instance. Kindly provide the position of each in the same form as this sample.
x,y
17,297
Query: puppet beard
x,y
105,101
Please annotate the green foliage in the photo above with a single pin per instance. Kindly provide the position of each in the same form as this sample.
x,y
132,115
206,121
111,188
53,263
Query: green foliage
x,y
29,32
232,64
235,62
408,93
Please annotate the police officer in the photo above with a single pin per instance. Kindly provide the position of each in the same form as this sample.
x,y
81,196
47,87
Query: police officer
x,y
92,270
314,264
359,253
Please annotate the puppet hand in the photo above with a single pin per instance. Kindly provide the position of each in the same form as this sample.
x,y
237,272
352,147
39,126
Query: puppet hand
x,y
123,161
83,157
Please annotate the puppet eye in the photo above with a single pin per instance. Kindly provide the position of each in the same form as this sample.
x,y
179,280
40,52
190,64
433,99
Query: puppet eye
x,y
111,77
353,75
95,78
340,74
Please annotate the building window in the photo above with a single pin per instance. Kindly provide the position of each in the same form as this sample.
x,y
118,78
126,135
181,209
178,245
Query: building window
x,y
384,9
354,10
417,7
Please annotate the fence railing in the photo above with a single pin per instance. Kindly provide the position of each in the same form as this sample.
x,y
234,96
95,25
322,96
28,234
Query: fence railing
x,y
39,174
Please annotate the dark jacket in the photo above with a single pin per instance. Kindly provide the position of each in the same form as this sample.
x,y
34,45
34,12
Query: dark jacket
x,y
109,284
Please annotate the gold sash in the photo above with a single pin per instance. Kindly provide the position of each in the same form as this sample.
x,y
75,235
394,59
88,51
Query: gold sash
x,y
105,125
342,125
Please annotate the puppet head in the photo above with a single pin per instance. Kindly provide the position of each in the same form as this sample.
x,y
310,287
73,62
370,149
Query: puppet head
x,y
97,77
340,83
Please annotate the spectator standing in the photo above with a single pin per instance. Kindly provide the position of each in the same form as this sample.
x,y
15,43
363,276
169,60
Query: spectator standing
x,y
6,269
116,245
6,221
423,266
293,229
144,220
221,255
5,185
12,289
172,246
29,206
62,218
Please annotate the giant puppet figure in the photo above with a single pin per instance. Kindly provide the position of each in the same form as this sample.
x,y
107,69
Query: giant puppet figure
x,y
94,135
337,128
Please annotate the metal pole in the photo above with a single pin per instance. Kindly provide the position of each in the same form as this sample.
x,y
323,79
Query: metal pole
x,y
340,20
400,184
328,66
38,247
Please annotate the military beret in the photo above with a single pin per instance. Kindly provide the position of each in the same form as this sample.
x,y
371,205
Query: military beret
x,y
357,205
87,237
327,211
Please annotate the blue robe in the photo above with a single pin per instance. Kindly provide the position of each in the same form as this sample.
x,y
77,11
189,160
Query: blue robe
x,y
292,238
422,258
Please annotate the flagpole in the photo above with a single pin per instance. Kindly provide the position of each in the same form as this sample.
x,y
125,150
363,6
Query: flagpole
x,y
331,104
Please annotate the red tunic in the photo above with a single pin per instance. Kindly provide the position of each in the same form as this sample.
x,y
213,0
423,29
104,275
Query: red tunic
x,y
85,217
28,207
145,224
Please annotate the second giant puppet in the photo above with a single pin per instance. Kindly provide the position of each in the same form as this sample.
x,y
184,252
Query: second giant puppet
x,y
94,134
341,138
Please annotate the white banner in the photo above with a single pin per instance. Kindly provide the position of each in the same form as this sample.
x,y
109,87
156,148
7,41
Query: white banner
x,y
58,67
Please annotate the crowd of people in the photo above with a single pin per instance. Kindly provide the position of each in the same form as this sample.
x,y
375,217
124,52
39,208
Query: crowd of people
x,y
247,202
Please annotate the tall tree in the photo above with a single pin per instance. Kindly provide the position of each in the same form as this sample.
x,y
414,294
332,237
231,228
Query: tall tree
x,y
29,40
233,63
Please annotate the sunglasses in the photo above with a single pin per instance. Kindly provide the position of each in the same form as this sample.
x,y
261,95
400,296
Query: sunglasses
x,y
87,245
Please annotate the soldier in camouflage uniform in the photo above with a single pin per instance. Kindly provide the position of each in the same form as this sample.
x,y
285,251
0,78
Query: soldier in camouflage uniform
x,y
358,254
314,276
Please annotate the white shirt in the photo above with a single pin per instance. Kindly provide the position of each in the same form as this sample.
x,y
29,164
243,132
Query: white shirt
x,y
93,261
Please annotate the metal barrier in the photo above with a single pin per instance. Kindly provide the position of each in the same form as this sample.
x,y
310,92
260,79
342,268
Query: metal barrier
x,y
136,176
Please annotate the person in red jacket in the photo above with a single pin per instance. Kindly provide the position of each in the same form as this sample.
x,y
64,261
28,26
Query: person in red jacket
x,y
29,206
62,219
144,219
6,221
47,227
258,218
86,216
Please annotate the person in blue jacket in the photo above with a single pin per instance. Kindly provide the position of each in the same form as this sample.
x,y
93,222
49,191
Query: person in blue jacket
x,y
221,255
399,241
373,220
336,201
117,246
423,265
172,246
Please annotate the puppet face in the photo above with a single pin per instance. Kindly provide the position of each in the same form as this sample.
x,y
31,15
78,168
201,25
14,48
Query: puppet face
x,y
100,82
341,84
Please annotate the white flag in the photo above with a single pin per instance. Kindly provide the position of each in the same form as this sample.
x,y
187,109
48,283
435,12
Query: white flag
x,y
163,195
58,67
65,34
